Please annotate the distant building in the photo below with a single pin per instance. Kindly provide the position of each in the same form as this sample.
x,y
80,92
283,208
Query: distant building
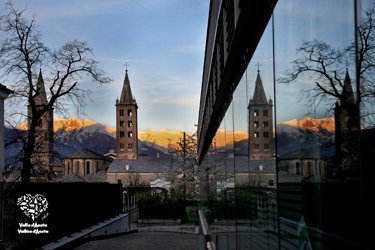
x,y
260,124
42,157
4,92
145,171
86,164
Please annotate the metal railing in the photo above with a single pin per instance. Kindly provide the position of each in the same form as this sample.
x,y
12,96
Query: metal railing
x,y
204,230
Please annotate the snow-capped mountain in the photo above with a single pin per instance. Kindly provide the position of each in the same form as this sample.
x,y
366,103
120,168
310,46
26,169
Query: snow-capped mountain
x,y
308,124
75,133
307,132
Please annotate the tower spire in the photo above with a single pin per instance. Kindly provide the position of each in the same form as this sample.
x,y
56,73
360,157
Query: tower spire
x,y
347,92
41,96
259,96
126,93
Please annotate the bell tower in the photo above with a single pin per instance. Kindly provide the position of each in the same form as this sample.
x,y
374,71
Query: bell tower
x,y
126,123
260,124
42,156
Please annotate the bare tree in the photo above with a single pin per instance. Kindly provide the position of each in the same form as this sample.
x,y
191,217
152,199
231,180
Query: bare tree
x,y
23,53
184,173
327,66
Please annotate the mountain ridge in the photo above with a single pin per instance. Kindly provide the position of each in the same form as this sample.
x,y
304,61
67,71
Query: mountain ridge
x,y
163,138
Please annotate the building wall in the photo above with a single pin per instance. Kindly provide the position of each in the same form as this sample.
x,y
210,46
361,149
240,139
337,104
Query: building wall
x,y
83,166
3,96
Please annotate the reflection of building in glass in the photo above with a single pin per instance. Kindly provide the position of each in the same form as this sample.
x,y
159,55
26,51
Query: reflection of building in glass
x,y
347,131
302,165
260,124
314,211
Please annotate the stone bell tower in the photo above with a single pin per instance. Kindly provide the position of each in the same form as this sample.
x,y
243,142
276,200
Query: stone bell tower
x,y
126,123
42,157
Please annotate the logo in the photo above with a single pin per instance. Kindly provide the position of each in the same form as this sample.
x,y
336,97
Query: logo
x,y
32,206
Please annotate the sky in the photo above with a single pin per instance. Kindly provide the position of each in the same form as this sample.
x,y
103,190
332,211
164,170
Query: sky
x,y
163,41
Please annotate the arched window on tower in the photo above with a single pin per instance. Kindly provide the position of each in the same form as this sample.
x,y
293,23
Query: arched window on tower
x,y
40,123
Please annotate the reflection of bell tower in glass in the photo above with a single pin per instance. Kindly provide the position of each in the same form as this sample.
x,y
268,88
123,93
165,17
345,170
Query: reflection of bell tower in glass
x,y
347,129
260,124
126,124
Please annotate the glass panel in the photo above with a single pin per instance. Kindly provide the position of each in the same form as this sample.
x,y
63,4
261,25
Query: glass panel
x,y
262,165
317,124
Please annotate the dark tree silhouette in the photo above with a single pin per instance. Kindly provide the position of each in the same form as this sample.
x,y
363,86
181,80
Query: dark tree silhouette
x,y
23,53
327,66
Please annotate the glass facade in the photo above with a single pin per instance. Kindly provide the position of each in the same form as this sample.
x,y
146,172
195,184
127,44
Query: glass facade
x,y
291,164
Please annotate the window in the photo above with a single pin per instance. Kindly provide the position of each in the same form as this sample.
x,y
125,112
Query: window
x,y
265,112
130,134
130,124
256,146
130,146
121,112
270,183
256,112
265,124
87,167
76,170
121,123
298,168
130,112
266,146
121,145
265,134
256,124
122,134
40,123
256,134
309,168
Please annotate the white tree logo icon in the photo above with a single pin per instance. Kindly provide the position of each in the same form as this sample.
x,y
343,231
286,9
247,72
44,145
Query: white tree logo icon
x,y
32,206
